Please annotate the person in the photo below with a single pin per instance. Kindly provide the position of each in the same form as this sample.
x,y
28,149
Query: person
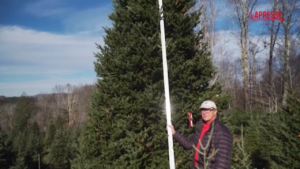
x,y
219,146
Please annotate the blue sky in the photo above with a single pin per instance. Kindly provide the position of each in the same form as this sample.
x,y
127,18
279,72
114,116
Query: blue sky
x,y
44,43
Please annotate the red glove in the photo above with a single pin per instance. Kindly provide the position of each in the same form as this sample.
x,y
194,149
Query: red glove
x,y
190,117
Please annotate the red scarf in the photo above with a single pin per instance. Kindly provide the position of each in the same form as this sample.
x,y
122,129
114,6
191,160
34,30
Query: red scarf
x,y
205,127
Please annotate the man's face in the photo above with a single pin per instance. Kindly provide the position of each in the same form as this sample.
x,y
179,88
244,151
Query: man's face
x,y
208,115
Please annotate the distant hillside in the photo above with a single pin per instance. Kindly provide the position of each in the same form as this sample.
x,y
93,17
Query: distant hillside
x,y
4,100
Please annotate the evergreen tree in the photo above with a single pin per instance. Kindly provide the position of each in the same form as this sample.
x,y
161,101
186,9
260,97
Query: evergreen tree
x,y
60,144
59,155
235,119
22,113
241,158
126,128
256,139
24,108
72,141
6,151
272,138
49,136
48,140
20,162
34,146
287,154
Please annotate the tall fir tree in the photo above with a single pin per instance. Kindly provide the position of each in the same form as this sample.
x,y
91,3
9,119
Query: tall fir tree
x,y
127,126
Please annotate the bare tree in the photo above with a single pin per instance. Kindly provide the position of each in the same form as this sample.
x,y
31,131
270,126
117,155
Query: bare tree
x,y
6,113
207,22
45,111
253,91
231,78
207,27
67,100
240,17
289,9
221,55
272,30
294,64
84,101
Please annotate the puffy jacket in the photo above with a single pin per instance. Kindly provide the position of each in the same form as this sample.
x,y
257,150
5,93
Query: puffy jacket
x,y
221,141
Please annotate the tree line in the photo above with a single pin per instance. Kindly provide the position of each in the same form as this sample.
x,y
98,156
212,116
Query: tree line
x,y
41,131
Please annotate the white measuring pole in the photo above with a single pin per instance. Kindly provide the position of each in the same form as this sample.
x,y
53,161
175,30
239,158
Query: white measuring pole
x,y
166,84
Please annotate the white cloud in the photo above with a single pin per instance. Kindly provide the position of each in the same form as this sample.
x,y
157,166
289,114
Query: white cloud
x,y
30,46
57,58
35,61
